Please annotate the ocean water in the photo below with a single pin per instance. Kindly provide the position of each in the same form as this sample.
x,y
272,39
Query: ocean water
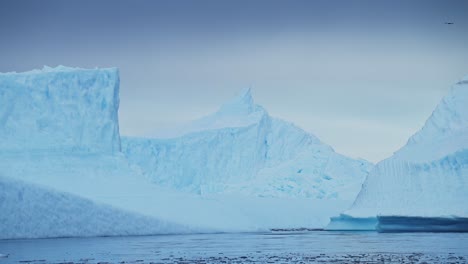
x,y
272,247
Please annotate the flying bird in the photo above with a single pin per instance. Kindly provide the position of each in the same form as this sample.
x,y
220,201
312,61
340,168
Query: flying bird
x,y
448,23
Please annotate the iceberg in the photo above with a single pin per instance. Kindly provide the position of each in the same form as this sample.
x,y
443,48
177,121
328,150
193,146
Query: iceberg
x,y
237,170
60,156
242,150
424,185
60,109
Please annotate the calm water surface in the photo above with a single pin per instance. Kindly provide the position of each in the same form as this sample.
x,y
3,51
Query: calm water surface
x,y
306,247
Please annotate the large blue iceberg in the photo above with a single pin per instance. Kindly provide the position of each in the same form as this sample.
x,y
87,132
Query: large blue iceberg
x,y
424,185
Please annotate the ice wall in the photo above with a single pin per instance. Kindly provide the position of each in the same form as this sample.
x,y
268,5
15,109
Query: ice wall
x,y
60,109
434,188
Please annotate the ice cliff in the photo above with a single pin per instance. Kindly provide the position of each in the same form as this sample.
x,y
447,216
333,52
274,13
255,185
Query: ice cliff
x,y
60,109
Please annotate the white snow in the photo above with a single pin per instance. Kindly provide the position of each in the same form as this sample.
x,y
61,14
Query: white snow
x,y
428,177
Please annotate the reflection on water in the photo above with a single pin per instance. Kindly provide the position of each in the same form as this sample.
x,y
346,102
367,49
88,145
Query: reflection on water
x,y
316,246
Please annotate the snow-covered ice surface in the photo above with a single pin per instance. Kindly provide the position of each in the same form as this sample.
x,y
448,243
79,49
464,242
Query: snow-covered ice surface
x,y
240,149
61,145
103,179
29,211
268,247
428,177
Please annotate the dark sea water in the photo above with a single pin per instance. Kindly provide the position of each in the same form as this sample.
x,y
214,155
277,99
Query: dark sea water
x,y
275,247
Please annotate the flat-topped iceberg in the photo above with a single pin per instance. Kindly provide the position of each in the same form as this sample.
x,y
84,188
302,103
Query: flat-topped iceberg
x,y
60,109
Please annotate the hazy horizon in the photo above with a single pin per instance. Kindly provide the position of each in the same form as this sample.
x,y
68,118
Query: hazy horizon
x,y
363,76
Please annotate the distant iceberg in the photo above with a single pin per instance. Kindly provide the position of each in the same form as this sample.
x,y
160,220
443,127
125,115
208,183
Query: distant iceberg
x,y
241,149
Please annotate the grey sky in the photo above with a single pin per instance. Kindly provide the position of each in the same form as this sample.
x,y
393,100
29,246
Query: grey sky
x,y
361,75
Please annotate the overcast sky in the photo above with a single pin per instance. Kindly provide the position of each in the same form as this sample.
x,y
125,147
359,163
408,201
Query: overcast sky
x,y
361,75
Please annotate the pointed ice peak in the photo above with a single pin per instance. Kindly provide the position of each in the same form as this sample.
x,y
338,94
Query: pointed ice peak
x,y
243,103
445,131
247,92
